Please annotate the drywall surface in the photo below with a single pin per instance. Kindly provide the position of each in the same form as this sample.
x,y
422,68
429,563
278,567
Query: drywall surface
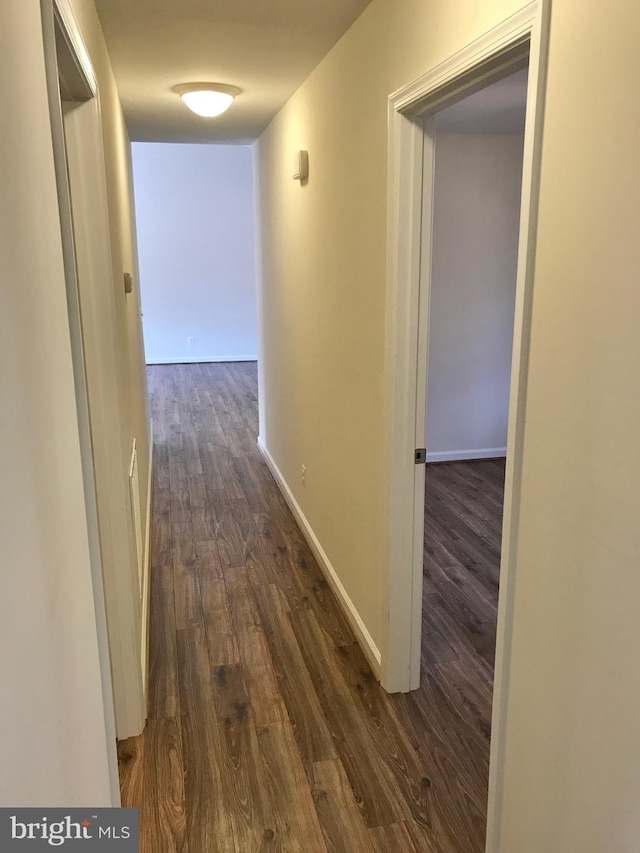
x,y
117,153
476,213
572,734
323,277
116,373
55,749
196,238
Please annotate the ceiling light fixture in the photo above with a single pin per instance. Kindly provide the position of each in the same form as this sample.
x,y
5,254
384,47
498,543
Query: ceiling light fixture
x,y
207,99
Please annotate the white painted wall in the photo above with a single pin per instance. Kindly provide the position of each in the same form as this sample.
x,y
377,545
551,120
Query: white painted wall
x,y
115,365
56,738
196,240
132,381
478,180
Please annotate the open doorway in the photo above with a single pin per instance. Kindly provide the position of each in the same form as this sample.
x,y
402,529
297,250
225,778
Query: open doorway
x,y
475,216
518,42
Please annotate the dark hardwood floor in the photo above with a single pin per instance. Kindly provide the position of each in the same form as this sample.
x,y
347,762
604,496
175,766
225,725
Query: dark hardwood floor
x,y
267,730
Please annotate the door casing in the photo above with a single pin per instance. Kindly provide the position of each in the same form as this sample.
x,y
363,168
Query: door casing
x,y
411,122
76,127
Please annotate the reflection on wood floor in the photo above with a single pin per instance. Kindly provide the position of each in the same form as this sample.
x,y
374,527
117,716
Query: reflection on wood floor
x,y
267,730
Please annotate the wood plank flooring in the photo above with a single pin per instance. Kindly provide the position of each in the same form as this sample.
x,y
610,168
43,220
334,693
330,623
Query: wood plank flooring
x,y
267,730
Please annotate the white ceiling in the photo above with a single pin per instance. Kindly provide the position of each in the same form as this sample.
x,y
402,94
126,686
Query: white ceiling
x,y
266,47
499,108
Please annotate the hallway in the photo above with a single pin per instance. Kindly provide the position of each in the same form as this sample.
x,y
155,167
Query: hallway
x,y
267,730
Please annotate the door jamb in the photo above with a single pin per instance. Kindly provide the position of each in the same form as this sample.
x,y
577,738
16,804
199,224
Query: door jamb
x,y
85,86
407,307
77,135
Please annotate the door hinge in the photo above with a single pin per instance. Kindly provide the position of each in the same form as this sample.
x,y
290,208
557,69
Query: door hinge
x,y
421,455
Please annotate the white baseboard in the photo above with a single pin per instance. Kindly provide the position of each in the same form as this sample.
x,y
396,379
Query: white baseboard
x,y
201,360
146,583
371,651
466,455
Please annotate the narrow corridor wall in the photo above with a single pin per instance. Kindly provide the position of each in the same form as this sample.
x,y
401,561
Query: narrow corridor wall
x,y
323,278
572,686
57,741
117,153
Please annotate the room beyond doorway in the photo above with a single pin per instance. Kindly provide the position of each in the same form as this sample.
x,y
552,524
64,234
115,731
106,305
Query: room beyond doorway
x,y
473,267
473,235
463,525
520,40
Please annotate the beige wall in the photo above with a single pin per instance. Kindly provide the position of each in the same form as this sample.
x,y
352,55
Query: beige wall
x,y
573,730
572,737
121,219
58,725
117,394
323,271
56,737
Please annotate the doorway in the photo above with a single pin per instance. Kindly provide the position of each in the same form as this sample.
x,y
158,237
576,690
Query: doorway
x,y
520,40
474,223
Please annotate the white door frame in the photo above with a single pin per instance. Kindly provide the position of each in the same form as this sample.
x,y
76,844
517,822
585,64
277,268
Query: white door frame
x,y
84,219
85,83
410,166
410,170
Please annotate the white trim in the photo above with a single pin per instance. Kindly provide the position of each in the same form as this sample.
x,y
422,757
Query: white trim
x,y
466,455
202,359
146,582
73,35
68,160
404,204
516,428
257,213
363,636
464,70
119,576
411,152
478,64
120,568
485,59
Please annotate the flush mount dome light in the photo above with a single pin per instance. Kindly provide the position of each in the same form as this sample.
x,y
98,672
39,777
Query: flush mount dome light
x,y
207,99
